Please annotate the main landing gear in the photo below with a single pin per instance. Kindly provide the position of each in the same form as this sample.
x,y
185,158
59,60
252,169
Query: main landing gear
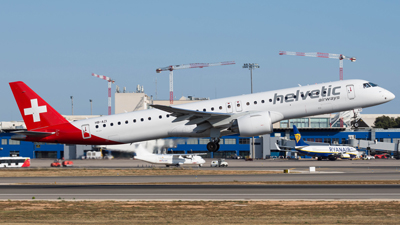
x,y
213,145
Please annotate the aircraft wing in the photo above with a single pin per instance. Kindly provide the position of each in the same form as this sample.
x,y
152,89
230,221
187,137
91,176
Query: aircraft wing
x,y
189,154
285,148
217,120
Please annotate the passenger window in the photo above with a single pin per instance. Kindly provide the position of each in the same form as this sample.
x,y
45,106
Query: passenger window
x,y
204,110
270,100
134,120
160,117
255,102
167,115
97,126
220,107
119,123
149,118
111,124
247,103
126,121
262,101
212,108
229,106
238,105
104,125
141,119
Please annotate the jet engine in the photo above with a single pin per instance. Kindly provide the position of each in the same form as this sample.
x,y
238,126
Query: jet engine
x,y
256,123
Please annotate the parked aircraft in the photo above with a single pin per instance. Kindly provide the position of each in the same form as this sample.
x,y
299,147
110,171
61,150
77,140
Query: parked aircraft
x,y
143,151
246,115
324,152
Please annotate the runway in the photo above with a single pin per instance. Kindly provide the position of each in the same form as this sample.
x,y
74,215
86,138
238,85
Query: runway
x,y
201,192
203,178
155,188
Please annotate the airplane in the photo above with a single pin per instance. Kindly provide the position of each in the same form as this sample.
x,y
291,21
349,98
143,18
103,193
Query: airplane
x,y
324,152
247,115
143,152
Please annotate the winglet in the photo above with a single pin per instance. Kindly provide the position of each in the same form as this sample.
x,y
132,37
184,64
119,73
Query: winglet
x,y
297,136
36,112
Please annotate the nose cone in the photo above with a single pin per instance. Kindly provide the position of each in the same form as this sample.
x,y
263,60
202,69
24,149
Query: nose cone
x,y
390,96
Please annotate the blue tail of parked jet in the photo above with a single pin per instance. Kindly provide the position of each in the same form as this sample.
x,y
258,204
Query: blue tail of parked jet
x,y
297,137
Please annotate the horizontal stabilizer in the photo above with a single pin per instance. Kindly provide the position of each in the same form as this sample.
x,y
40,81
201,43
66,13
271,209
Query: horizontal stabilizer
x,y
33,133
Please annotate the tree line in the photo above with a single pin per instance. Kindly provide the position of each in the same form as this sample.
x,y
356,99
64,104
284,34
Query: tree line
x,y
387,122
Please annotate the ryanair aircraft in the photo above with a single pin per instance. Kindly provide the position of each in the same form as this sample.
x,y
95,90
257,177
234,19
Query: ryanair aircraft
x,y
324,152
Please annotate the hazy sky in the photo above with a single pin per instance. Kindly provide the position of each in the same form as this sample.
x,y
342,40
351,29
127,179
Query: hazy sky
x,y
54,46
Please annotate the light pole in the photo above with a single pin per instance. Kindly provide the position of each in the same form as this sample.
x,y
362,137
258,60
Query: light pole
x,y
72,105
91,107
251,66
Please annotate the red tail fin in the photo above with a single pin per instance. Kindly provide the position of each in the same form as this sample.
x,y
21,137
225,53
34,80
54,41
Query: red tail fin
x,y
34,110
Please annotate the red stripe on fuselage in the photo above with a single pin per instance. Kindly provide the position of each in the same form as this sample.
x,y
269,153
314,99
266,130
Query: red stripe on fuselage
x,y
68,134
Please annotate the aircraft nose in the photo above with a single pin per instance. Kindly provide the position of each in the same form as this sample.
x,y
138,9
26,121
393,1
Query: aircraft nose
x,y
389,96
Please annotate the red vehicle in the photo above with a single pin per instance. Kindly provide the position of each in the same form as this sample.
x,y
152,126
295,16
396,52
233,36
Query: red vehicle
x,y
381,156
67,163
57,163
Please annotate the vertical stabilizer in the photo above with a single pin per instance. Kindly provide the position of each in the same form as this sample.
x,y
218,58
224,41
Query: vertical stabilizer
x,y
297,136
36,112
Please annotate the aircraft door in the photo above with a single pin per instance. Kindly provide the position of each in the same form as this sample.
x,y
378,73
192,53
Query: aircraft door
x,y
350,92
238,106
229,108
86,131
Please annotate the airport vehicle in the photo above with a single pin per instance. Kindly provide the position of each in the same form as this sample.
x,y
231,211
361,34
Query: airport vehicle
x,y
15,162
219,163
246,115
324,152
65,163
368,157
56,163
381,156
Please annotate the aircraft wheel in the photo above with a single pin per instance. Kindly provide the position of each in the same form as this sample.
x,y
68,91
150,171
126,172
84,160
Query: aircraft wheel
x,y
167,165
177,165
212,147
356,125
319,159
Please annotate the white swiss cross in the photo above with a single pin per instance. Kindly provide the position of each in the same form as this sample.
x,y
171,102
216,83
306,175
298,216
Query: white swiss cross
x,y
35,110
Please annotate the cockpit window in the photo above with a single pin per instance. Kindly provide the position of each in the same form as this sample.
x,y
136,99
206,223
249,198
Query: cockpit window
x,y
368,85
372,84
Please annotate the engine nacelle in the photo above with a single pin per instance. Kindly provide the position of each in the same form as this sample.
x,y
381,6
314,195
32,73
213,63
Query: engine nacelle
x,y
256,124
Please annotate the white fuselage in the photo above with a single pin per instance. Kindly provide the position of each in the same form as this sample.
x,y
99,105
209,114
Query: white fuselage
x,y
326,151
171,160
290,103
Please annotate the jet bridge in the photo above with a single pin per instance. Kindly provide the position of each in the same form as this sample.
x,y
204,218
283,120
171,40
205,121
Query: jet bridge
x,y
373,146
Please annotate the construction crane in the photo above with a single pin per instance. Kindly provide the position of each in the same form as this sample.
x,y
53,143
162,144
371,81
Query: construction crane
x,y
109,89
323,55
186,66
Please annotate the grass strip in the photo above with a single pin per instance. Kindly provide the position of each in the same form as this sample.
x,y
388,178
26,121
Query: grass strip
x,y
199,212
